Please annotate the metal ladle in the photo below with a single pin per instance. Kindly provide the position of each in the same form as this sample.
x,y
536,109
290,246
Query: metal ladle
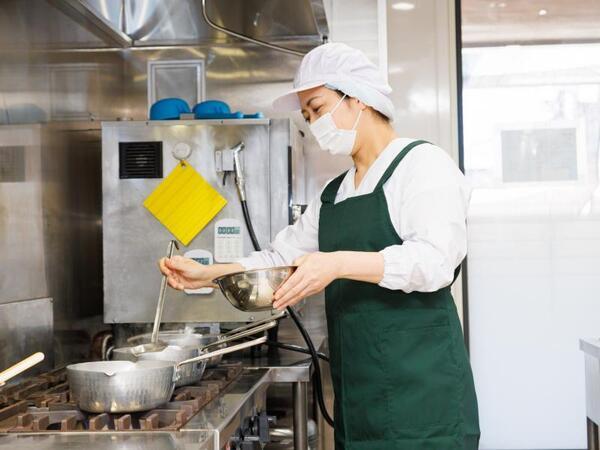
x,y
155,345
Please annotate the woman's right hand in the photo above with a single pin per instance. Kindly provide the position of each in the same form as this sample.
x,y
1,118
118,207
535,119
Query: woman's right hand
x,y
185,273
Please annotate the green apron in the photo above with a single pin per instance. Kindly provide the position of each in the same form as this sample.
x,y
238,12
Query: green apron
x,y
400,371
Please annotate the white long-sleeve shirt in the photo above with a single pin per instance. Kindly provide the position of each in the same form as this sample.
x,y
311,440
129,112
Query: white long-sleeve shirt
x,y
427,199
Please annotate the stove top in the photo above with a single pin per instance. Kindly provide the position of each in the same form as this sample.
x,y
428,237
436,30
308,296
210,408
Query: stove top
x,y
42,404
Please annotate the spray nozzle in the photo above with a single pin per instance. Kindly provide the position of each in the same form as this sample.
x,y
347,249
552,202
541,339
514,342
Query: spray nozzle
x,y
239,170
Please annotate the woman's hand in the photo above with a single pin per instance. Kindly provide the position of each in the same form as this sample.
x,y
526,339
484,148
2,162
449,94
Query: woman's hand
x,y
185,273
315,271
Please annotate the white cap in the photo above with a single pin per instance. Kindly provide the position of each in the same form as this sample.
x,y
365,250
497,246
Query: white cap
x,y
344,68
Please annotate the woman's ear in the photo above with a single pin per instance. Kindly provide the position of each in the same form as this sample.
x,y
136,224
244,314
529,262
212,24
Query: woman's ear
x,y
360,104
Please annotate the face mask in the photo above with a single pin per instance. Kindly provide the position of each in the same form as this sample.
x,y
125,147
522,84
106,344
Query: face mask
x,y
331,138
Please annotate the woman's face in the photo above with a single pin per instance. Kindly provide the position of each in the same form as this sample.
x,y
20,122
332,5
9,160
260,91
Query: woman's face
x,y
320,100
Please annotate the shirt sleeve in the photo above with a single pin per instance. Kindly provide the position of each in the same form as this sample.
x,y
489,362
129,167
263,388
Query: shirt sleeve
x,y
433,200
290,243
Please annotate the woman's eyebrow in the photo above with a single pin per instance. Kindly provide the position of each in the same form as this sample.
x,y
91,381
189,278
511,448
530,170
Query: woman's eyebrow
x,y
311,99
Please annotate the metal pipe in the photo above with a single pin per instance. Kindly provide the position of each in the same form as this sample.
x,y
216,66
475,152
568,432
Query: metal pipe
x,y
300,394
247,38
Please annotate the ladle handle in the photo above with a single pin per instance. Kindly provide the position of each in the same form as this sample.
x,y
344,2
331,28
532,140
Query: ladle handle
x,y
21,366
242,334
223,351
161,296
281,315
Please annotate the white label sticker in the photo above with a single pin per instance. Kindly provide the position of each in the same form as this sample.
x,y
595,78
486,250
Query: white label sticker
x,y
229,242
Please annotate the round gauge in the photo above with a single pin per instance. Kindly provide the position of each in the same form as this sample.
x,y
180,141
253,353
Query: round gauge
x,y
182,150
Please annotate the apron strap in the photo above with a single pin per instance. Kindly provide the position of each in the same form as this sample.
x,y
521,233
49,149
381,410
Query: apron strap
x,y
390,170
330,191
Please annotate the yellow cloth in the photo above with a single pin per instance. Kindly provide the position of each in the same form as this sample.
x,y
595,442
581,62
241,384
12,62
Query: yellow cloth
x,y
184,202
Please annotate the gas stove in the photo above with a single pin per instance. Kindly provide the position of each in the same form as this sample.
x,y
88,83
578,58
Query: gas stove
x,y
212,414
43,404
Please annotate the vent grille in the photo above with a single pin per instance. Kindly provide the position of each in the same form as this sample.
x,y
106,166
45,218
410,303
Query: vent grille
x,y
140,160
12,164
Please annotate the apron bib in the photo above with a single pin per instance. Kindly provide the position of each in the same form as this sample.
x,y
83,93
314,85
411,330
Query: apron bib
x,y
400,371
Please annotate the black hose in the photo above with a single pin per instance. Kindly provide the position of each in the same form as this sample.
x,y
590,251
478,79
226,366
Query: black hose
x,y
253,238
318,384
297,348
291,348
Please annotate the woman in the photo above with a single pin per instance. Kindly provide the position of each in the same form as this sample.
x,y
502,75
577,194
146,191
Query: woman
x,y
384,240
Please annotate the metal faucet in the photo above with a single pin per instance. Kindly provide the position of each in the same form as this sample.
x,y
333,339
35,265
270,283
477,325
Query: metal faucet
x,y
239,171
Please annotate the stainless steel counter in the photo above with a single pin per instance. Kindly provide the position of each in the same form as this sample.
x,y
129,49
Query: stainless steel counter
x,y
197,440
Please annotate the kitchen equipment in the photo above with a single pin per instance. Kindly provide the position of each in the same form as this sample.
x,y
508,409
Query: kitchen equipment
x,y
177,352
125,386
253,290
19,367
190,408
149,147
155,345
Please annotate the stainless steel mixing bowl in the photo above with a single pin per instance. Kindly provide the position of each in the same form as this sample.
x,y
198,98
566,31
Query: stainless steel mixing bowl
x,y
253,290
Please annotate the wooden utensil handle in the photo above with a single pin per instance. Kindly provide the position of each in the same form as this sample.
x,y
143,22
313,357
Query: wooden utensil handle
x,y
21,366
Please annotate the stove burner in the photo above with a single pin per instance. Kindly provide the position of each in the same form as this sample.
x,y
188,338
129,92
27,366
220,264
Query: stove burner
x,y
42,404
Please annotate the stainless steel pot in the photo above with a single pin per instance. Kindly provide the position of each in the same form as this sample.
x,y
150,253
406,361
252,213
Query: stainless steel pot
x,y
189,374
185,339
213,341
125,386
183,349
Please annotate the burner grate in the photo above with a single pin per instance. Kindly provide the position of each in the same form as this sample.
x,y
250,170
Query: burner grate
x,y
42,404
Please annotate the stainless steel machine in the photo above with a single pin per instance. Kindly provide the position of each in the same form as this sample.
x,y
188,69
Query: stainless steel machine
x,y
136,156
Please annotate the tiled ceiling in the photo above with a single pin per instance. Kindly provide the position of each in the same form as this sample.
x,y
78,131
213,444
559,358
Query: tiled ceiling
x,y
501,22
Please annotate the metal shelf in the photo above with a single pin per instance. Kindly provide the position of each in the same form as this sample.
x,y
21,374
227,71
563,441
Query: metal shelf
x,y
189,122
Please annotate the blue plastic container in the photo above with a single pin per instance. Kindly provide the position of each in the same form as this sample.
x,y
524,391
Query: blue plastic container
x,y
169,109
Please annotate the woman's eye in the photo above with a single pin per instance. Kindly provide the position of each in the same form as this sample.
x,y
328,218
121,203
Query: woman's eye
x,y
318,109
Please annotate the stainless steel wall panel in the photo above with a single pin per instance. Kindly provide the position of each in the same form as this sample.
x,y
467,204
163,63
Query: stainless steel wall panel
x,y
22,267
134,240
26,328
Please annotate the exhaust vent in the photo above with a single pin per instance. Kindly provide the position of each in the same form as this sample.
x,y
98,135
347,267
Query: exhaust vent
x,y
140,160
12,164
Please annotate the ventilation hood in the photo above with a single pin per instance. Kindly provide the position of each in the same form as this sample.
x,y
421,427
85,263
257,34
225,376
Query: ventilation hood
x,y
297,24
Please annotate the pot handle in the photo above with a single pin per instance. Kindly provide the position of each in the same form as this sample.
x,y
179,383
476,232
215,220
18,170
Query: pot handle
x,y
242,334
281,315
21,366
223,351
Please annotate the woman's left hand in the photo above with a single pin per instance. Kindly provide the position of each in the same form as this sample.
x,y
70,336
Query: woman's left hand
x,y
315,271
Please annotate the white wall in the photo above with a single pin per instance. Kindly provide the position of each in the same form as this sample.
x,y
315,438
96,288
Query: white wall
x,y
421,62
358,24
